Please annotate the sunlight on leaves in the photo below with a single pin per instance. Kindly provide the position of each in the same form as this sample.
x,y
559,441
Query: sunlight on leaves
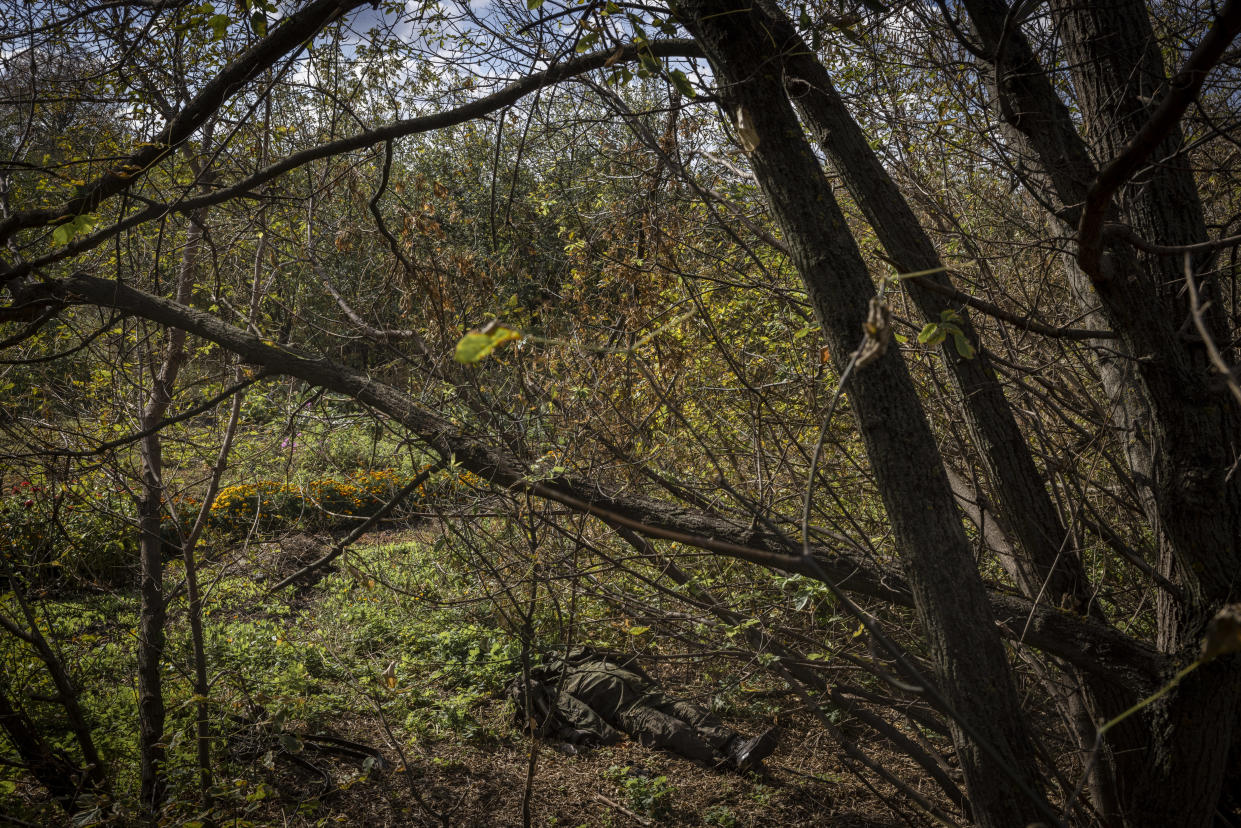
x,y
476,345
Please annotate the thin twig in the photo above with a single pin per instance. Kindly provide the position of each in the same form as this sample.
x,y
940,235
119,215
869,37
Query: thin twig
x,y
1196,311
641,820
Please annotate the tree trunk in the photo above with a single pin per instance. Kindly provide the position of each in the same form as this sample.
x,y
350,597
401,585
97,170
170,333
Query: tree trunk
x,y
152,612
1004,783
1020,494
151,617
1046,566
1119,77
1183,435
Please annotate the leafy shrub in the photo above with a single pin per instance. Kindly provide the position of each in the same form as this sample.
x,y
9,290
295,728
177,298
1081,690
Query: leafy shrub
x,y
85,530
271,506
88,529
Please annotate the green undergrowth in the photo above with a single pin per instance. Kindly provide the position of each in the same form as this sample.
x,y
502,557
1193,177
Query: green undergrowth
x,y
390,638
88,529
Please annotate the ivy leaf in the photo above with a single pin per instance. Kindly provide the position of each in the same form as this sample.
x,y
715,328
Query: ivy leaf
x,y
72,228
477,344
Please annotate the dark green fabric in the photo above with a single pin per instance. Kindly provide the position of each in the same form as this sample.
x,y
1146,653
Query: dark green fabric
x,y
566,718
655,728
599,694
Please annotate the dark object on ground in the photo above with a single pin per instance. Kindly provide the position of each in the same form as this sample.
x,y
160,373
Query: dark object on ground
x,y
594,698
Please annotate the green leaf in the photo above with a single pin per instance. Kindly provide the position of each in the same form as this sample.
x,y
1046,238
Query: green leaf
x,y
682,83
932,334
638,630
219,26
477,344
964,348
258,21
533,4
71,228
589,39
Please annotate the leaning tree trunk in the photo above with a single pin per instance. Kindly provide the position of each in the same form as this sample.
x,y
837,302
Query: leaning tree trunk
x,y
1019,490
1045,566
45,764
972,670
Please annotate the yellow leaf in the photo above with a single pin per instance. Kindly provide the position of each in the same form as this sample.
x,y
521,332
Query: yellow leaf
x,y
475,345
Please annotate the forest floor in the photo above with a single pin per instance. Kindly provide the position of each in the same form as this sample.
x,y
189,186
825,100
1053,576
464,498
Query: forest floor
x,y
485,784
320,734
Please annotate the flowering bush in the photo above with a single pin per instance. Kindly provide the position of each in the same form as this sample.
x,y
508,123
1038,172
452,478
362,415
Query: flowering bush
x,y
269,506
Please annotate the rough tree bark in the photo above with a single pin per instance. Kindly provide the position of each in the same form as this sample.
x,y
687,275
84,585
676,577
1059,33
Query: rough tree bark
x,y
1046,566
1005,787
1183,433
